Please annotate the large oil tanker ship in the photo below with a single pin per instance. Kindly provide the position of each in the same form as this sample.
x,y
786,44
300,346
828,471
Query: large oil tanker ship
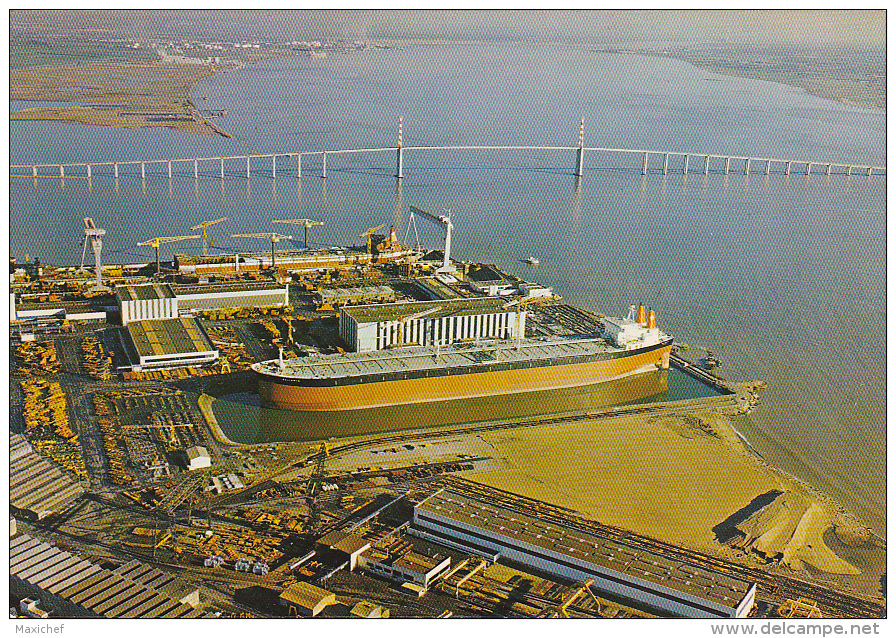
x,y
515,373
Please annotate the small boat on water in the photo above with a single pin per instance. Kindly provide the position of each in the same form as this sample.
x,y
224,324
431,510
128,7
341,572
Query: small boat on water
x,y
532,261
710,362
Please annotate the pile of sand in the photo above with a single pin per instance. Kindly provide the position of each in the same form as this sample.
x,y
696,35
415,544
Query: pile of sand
x,y
792,528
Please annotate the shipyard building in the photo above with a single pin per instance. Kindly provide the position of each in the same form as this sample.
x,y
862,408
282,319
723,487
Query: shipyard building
x,y
164,301
75,588
647,579
37,488
146,302
169,343
160,333
289,260
426,323
250,294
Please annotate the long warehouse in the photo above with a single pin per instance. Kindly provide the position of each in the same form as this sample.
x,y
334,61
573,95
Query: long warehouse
x,y
645,578
75,588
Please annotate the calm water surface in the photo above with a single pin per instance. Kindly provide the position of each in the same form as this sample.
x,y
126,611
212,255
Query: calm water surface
x,y
781,276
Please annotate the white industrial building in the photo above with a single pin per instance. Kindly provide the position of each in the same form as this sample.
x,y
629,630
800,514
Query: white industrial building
x,y
647,579
375,327
146,302
260,294
35,313
163,301
409,566
198,457
167,343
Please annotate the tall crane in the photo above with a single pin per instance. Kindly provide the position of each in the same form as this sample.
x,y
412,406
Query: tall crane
x,y
95,235
273,237
155,242
307,223
369,232
203,226
445,222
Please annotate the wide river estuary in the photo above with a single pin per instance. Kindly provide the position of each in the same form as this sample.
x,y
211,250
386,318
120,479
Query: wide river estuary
x,y
782,277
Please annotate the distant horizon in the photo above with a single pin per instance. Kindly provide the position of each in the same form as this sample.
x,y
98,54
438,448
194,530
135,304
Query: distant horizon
x,y
763,28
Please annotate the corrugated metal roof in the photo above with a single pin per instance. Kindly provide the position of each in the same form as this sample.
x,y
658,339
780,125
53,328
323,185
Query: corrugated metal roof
x,y
73,566
443,308
70,577
305,594
35,484
216,289
98,590
633,562
212,302
131,602
154,601
168,337
83,584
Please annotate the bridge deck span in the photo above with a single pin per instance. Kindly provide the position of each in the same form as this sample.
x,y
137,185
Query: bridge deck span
x,y
764,163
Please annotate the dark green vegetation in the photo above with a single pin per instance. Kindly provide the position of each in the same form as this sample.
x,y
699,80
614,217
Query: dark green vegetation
x,y
30,52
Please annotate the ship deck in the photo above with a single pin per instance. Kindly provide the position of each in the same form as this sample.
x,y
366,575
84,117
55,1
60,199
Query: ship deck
x,y
417,359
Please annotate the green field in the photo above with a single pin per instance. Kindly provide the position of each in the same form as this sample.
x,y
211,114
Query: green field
x,y
36,54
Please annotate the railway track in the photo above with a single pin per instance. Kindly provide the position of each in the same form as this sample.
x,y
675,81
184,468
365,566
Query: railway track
x,y
772,588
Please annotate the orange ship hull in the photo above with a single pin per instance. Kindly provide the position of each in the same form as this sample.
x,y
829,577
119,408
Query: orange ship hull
x,y
275,393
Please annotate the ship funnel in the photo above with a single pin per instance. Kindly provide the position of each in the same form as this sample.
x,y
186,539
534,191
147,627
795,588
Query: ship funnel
x,y
641,318
392,238
651,320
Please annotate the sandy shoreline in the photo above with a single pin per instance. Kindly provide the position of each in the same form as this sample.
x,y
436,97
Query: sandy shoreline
x,y
682,478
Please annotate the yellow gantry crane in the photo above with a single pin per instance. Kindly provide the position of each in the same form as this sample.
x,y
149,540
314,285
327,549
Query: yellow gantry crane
x,y
307,223
273,237
368,233
158,241
559,611
203,226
